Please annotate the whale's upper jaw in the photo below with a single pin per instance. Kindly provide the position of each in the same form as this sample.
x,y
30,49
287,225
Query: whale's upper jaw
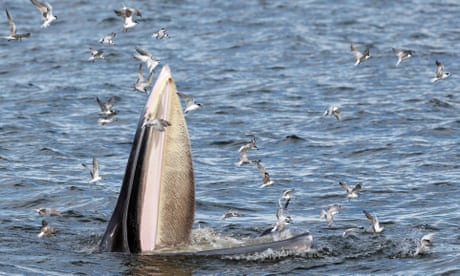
x,y
155,208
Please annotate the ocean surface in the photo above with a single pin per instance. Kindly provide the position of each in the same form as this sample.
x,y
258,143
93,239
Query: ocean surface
x,y
263,69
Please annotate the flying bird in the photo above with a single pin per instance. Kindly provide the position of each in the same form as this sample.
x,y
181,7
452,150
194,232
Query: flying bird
x,y
360,57
107,108
46,11
440,74
94,171
13,35
147,58
108,39
190,103
142,84
127,15
162,33
96,54
335,111
402,54
329,213
375,225
265,175
351,192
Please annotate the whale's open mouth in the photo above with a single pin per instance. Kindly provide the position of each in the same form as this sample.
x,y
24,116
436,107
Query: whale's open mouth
x,y
155,207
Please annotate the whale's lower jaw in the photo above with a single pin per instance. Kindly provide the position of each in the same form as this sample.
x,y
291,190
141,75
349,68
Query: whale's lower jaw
x,y
155,207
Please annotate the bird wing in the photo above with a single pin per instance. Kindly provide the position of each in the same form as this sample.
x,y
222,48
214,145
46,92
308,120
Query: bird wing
x,y
101,105
11,22
439,69
140,77
345,186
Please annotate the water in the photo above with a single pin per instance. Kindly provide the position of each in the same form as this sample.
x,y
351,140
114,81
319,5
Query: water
x,y
260,68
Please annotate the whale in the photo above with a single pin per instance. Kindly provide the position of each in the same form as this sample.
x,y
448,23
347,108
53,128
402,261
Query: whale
x,y
156,204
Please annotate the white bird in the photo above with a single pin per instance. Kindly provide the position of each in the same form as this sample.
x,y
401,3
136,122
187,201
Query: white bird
x,y
127,15
46,11
329,213
333,110
351,192
141,84
147,58
265,175
190,103
360,57
94,171
402,54
46,230
162,33
440,74
424,244
375,225
107,108
156,123
108,39
96,54
13,35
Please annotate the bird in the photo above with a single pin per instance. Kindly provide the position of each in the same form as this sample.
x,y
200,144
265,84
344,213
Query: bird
x,y
351,192
13,35
127,15
286,196
424,244
108,39
47,12
375,225
162,33
402,54
94,171
96,54
156,123
46,230
48,211
231,214
440,74
147,58
329,213
107,108
360,57
141,84
190,103
265,175
280,230
333,110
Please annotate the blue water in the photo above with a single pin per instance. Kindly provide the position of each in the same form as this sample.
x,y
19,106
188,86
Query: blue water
x,y
260,68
